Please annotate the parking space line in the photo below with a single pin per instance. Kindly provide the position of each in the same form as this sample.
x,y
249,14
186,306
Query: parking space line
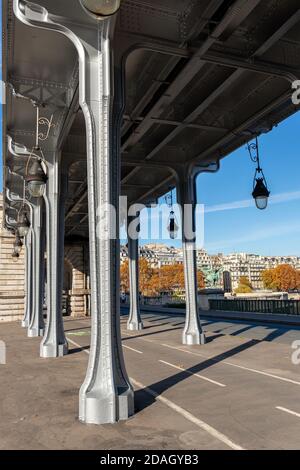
x,y
286,410
283,379
186,414
132,349
189,416
193,375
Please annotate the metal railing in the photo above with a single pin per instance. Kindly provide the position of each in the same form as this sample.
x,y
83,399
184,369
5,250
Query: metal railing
x,y
284,307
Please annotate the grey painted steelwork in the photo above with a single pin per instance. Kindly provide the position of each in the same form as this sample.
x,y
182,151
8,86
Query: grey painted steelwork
x,y
202,78
28,281
36,324
54,343
134,321
29,263
106,395
187,198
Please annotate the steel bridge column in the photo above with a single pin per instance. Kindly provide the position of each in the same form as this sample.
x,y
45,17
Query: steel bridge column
x,y
54,343
187,198
134,321
106,395
28,280
36,325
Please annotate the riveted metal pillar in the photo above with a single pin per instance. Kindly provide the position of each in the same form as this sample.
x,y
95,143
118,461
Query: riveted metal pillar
x,y
36,325
28,280
54,343
106,395
134,321
187,198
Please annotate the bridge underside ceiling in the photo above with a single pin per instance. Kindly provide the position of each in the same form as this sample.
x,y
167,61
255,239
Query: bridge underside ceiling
x,y
202,78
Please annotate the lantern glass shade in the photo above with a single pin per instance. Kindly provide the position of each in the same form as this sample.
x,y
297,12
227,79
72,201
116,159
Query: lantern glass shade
x,y
23,225
261,194
261,202
36,188
18,247
36,179
102,7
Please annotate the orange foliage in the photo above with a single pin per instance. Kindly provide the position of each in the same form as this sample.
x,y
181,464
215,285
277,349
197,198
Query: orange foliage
x,y
282,278
155,281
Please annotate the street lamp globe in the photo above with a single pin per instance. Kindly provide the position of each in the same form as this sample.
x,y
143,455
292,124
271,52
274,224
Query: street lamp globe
x,y
23,225
17,247
102,7
36,179
261,194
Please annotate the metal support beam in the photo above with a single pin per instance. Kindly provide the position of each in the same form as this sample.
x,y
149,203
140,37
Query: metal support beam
x,y
36,325
134,321
54,343
106,395
28,281
187,198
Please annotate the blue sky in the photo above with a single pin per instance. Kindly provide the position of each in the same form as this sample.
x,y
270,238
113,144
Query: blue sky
x,y
274,231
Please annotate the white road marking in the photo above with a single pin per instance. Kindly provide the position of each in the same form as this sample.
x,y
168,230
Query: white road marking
x,y
186,414
193,375
132,349
286,410
137,337
283,379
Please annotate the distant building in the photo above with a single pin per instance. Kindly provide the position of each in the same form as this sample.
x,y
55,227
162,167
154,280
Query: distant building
x,y
234,265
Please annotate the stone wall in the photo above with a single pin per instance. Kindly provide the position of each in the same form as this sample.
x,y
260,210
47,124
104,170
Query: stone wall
x,y
76,264
12,277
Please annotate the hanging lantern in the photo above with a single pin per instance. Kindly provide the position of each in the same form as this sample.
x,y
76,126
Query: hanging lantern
x,y
172,226
102,7
23,225
36,179
260,189
17,247
261,194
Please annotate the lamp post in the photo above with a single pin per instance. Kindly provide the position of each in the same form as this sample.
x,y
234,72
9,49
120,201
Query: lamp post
x,y
172,223
260,192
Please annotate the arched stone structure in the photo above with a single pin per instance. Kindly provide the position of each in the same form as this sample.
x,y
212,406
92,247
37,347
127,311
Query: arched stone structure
x,y
76,260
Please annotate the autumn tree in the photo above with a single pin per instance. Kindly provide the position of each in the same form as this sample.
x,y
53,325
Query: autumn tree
x,y
124,276
152,282
268,279
245,286
282,278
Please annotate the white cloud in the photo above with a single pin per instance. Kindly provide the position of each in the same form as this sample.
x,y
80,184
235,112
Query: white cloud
x,y
274,199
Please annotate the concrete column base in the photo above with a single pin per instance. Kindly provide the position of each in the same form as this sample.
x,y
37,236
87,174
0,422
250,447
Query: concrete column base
x,y
135,326
192,339
99,407
35,332
51,350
